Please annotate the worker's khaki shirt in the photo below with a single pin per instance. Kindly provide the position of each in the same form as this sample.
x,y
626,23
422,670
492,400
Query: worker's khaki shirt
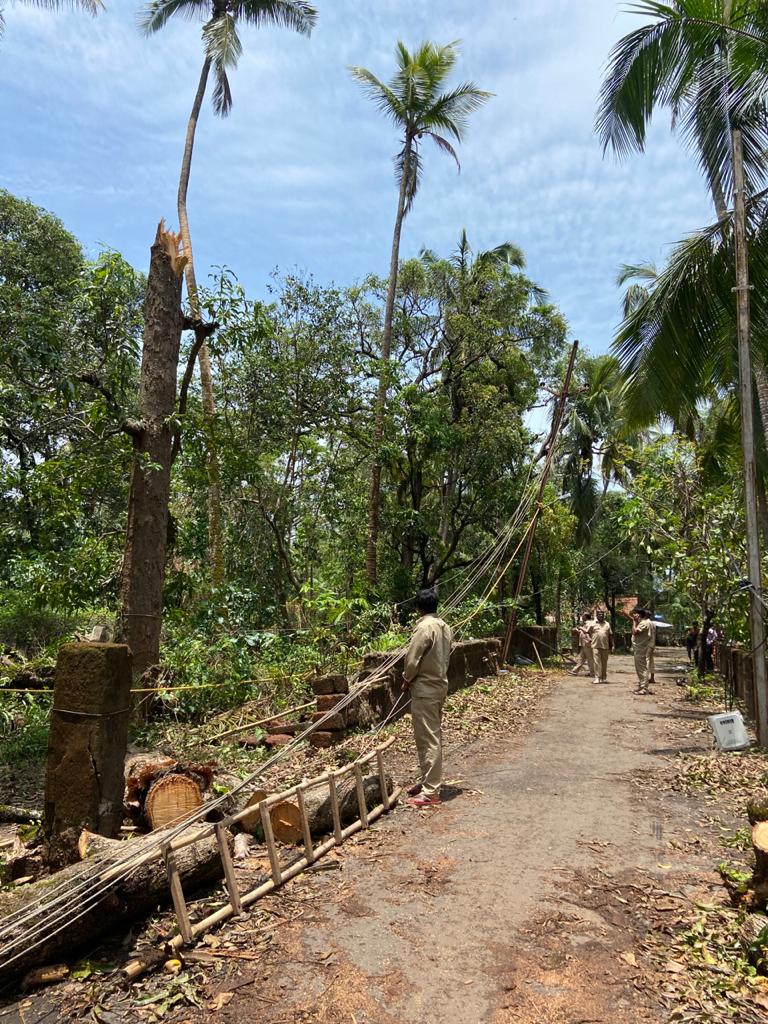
x,y
585,633
601,636
644,634
428,654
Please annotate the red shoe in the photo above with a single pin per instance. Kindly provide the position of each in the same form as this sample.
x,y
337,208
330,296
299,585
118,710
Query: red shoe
x,y
424,801
415,789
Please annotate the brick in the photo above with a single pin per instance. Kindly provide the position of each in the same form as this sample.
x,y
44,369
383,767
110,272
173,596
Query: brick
x,y
278,740
282,728
334,722
330,684
249,742
328,702
326,739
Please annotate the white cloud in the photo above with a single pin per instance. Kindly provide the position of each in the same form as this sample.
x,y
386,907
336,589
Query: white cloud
x,y
92,121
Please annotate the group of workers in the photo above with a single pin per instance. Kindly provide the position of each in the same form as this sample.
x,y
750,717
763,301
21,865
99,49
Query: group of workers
x,y
596,643
425,678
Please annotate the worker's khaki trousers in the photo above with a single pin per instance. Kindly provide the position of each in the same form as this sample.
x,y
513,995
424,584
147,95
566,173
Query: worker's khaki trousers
x,y
427,701
601,664
643,664
587,658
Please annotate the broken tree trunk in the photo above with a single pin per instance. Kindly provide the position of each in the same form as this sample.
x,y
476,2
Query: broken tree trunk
x,y
147,530
286,817
86,920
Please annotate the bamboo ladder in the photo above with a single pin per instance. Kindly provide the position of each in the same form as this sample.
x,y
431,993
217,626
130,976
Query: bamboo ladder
x,y
280,873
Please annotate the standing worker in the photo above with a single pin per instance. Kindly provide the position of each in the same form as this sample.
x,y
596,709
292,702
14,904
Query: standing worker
x,y
426,676
602,646
642,644
692,643
586,654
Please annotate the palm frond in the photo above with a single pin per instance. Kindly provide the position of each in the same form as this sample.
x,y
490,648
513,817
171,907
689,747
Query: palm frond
x,y
680,345
156,14
445,146
387,101
450,111
223,48
296,15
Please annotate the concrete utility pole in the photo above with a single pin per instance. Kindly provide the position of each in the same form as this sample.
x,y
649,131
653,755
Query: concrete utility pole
x,y
756,622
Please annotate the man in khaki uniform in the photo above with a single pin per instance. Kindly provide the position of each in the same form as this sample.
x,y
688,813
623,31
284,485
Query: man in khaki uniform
x,y
602,645
426,676
586,654
643,638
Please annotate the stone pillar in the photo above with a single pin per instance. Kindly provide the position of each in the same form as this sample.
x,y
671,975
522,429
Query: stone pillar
x,y
84,781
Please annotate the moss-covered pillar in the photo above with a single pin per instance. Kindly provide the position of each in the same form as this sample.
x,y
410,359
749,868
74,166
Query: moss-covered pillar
x,y
88,738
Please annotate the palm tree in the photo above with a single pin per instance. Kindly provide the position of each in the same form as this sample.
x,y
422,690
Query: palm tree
x,y
677,346
685,60
222,48
594,434
694,59
89,6
415,103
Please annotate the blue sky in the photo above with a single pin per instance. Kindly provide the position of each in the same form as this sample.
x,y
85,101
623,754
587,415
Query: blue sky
x,y
92,122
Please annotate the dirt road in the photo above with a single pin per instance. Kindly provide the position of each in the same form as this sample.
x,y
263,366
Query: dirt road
x,y
549,887
444,916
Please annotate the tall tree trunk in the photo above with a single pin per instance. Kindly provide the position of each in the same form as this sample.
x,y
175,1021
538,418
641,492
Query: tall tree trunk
x,y
143,574
756,623
374,497
215,544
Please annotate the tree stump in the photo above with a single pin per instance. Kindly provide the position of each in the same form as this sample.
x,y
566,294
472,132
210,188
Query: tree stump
x,y
89,733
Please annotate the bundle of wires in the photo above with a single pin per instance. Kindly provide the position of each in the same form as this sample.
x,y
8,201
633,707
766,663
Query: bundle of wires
x,y
63,903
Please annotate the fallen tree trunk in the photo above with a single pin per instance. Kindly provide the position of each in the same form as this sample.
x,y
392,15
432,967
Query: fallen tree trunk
x,y
21,815
286,818
86,920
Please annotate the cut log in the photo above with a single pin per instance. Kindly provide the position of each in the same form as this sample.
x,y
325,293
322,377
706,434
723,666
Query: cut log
x,y
130,898
161,790
170,799
253,821
91,845
286,817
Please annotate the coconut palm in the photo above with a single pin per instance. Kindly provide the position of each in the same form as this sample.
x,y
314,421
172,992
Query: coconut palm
x,y
594,440
414,101
222,48
89,6
694,58
683,60
677,346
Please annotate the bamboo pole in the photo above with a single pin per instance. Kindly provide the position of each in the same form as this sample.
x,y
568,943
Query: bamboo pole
x,y
262,721
230,878
309,851
335,808
225,912
382,780
269,842
361,795
177,895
